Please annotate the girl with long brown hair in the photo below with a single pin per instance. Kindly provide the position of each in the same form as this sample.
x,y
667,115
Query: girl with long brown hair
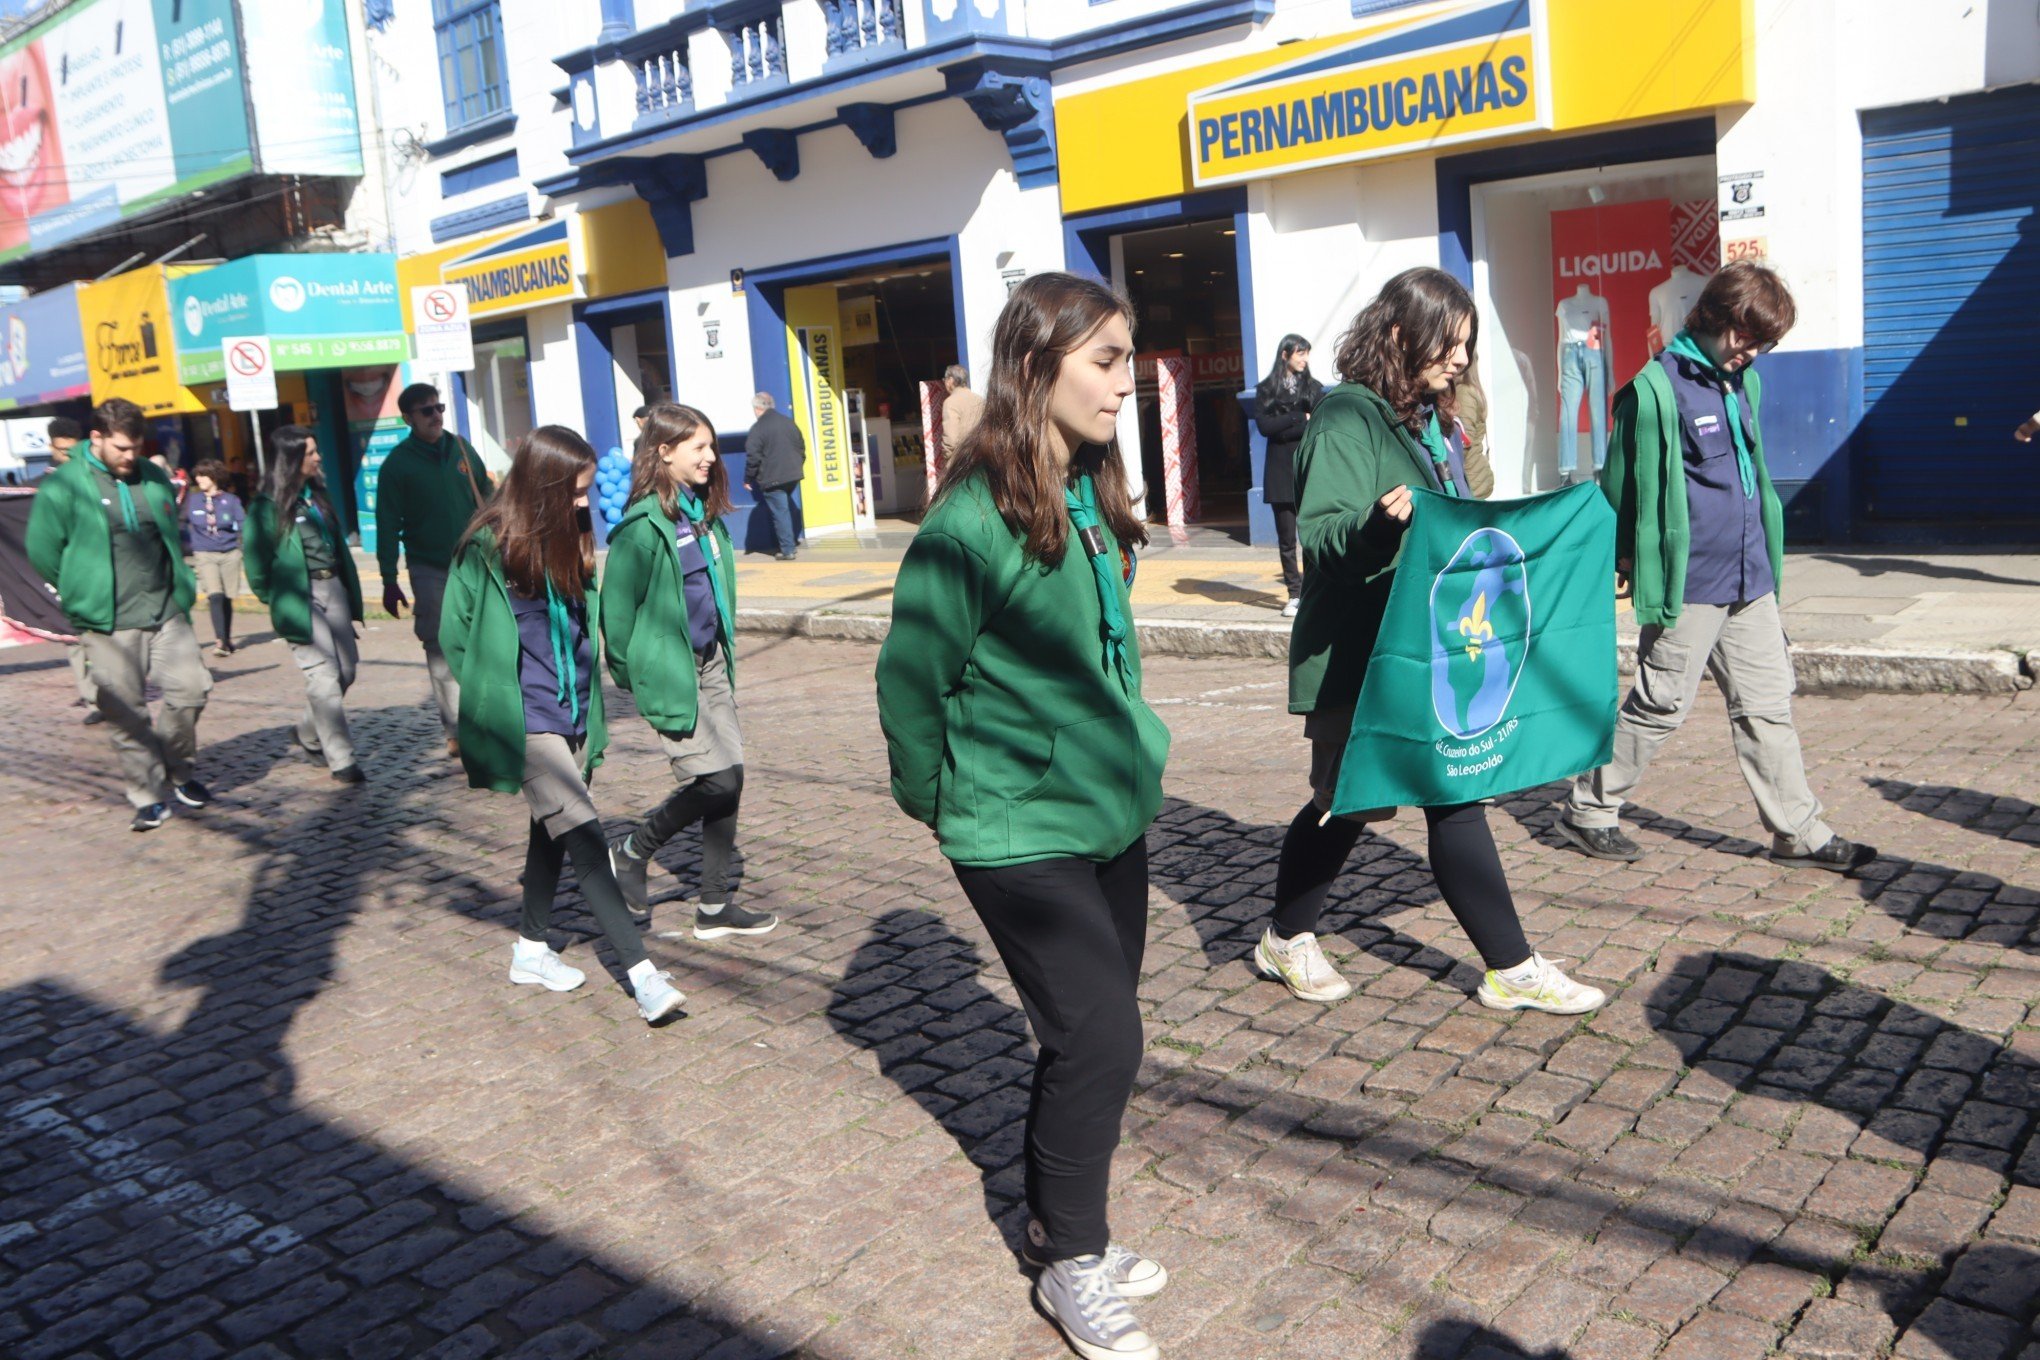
x,y
1389,426
1009,690
520,630
668,627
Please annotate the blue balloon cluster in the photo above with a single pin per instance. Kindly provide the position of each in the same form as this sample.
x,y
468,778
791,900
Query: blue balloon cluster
x,y
612,485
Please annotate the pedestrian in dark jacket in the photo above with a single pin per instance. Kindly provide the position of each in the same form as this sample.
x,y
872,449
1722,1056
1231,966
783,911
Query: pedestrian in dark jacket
x,y
213,517
1282,406
775,459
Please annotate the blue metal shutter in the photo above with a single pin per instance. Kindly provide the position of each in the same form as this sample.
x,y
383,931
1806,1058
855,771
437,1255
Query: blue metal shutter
x,y
1951,312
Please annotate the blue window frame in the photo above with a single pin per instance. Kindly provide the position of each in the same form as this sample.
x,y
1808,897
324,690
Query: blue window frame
x,y
471,74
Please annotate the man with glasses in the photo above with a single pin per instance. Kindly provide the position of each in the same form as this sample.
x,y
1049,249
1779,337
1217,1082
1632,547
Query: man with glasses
x,y
428,489
1700,537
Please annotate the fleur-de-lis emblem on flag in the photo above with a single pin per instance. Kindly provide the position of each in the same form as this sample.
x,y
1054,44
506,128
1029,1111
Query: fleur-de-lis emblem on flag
x,y
1475,628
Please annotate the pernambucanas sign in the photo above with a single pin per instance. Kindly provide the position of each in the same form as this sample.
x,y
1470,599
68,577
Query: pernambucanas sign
x,y
1464,75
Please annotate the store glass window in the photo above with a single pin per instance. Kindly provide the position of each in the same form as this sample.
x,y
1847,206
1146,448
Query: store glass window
x,y
470,34
499,396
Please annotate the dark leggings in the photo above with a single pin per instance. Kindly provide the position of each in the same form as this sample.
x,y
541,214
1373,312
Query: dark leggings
x,y
543,856
1071,933
222,607
711,800
1463,860
1285,544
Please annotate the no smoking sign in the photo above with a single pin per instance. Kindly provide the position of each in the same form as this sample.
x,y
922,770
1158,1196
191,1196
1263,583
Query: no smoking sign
x,y
251,372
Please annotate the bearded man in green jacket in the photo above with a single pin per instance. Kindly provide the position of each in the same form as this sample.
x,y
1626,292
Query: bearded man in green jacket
x,y
103,533
1701,534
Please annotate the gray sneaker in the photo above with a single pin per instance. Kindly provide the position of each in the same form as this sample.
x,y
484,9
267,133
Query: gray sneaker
x,y
1079,1296
1602,842
1133,1275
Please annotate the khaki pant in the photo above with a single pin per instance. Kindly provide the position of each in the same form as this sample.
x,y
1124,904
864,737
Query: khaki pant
x,y
153,756
1743,647
328,661
716,743
553,787
219,573
81,672
428,592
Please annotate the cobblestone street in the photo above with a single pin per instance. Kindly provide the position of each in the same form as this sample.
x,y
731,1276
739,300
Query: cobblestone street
x,y
265,1091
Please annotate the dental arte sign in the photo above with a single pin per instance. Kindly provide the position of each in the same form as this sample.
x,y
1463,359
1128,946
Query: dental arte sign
x,y
1466,74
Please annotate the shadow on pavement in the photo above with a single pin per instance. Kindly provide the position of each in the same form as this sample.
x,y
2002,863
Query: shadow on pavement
x,y
911,996
1914,566
1893,1089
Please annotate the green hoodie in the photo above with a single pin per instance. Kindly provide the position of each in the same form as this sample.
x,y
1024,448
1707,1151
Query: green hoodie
x,y
70,543
1645,479
478,633
1354,452
424,500
644,627
1005,730
275,560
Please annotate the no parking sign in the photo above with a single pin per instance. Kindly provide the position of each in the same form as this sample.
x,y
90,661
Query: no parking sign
x,y
251,372
445,338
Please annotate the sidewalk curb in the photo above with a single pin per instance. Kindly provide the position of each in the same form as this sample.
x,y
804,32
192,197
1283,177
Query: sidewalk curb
x,y
1815,668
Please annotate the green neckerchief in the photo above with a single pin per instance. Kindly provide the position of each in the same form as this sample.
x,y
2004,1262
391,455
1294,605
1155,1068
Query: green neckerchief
x,y
127,497
697,516
1082,501
1688,349
560,624
1441,454
312,505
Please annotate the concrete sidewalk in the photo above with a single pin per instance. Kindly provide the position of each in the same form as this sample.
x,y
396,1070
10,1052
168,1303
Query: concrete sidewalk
x,y
1879,620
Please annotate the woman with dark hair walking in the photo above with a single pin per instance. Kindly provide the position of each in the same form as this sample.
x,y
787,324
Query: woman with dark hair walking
x,y
213,517
299,565
1282,406
1389,426
667,625
520,630
1009,690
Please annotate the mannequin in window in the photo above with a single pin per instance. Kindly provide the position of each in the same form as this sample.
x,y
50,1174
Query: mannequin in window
x,y
1585,367
1670,302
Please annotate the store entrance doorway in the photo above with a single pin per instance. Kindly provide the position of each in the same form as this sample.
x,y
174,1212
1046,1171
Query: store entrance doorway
x,y
1185,286
859,348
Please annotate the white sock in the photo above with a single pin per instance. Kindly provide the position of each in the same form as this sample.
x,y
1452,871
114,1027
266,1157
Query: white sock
x,y
642,972
712,908
1526,971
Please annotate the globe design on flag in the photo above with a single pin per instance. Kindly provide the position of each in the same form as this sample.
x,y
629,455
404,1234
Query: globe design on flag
x,y
1480,632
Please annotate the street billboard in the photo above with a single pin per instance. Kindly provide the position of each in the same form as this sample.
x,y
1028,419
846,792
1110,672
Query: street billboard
x,y
42,350
320,311
301,87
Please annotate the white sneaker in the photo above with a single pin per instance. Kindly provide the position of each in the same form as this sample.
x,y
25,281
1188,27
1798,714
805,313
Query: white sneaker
x,y
1135,1276
1301,966
1289,610
1079,1296
1547,989
533,963
657,998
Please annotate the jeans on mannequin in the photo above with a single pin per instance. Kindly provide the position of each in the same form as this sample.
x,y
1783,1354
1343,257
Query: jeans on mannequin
x,y
1581,371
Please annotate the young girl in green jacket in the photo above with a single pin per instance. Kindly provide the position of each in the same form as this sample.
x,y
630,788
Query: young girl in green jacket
x,y
300,566
671,596
519,630
1389,426
1009,690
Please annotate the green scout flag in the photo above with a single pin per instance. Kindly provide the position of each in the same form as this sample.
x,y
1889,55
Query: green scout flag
x,y
1495,667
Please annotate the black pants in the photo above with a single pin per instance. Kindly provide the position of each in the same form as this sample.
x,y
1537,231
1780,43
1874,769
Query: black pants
x,y
1071,933
1463,860
1285,543
712,800
543,858
222,610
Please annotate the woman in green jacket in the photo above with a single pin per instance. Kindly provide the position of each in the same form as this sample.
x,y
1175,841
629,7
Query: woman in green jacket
x,y
668,629
519,630
1389,426
1009,690
300,566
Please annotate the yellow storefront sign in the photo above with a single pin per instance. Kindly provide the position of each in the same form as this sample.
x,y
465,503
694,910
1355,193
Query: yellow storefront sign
x,y
1358,103
814,357
1585,64
130,350
519,279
